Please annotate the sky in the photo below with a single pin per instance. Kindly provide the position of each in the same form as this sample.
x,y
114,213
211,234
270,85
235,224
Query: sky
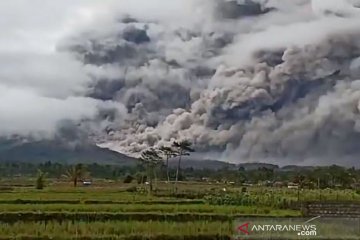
x,y
38,85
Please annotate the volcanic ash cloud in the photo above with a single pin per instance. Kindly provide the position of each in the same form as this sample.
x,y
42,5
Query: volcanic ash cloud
x,y
264,80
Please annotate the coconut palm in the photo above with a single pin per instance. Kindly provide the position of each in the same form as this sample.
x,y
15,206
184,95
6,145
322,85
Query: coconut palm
x,y
76,173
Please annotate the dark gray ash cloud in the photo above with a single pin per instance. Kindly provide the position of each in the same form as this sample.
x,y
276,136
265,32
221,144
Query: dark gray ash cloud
x,y
239,9
245,80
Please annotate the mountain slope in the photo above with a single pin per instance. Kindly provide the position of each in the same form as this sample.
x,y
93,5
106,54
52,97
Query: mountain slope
x,y
58,151
197,163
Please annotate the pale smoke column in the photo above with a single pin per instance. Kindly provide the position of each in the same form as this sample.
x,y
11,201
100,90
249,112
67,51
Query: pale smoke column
x,y
284,89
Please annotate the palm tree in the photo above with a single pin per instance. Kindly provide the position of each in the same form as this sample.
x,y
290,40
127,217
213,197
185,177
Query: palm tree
x,y
183,149
168,152
76,173
150,159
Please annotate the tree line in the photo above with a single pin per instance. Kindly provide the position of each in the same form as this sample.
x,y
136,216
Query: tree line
x,y
154,165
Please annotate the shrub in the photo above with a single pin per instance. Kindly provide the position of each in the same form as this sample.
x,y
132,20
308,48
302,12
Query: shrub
x,y
132,189
40,180
128,179
246,199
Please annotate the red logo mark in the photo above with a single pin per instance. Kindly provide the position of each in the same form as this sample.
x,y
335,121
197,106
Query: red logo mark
x,y
244,228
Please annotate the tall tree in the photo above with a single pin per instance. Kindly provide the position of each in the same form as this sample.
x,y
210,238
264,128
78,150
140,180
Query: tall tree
x,y
168,152
76,173
150,159
183,148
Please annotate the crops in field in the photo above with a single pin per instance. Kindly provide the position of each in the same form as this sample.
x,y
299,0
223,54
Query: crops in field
x,y
154,208
115,228
116,214
204,212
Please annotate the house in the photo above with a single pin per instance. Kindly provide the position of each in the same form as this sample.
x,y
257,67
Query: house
x,y
87,183
293,185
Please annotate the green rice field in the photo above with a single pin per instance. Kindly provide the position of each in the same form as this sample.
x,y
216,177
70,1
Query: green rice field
x,y
100,212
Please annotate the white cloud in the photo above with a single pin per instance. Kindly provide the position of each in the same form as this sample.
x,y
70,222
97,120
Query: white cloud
x,y
38,85
25,112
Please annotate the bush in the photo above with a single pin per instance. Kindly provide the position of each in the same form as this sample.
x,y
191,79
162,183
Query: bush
x,y
246,199
182,195
128,179
40,180
6,188
267,211
132,189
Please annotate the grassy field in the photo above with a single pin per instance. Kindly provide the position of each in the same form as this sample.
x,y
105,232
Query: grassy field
x,y
197,211
154,208
115,228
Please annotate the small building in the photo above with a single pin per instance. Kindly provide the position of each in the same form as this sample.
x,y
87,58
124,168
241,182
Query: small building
x,y
87,183
293,185
205,179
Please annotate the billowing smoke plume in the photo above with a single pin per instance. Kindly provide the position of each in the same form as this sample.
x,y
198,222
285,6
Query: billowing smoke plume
x,y
263,80
258,80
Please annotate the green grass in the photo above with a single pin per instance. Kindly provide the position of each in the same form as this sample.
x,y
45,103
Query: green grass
x,y
11,217
305,194
132,237
199,211
115,228
158,208
94,202
117,192
133,230
82,196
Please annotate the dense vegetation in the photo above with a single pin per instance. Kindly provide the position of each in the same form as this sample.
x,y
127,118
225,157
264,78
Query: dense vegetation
x,y
313,178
